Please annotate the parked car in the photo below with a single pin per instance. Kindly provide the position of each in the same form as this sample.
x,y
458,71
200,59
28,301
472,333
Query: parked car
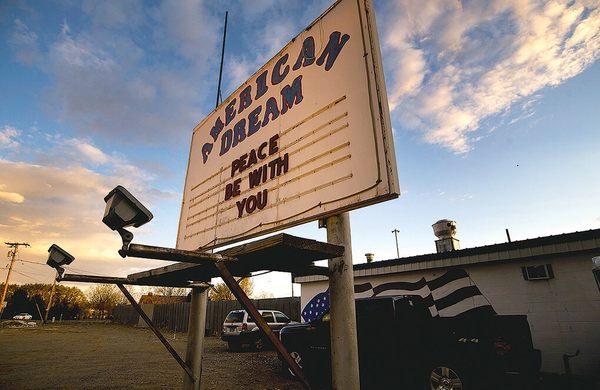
x,y
22,316
239,328
402,346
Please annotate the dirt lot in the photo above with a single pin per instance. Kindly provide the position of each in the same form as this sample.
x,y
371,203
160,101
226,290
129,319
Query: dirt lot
x,y
81,355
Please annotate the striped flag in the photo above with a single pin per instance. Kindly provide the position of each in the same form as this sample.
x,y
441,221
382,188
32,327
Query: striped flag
x,y
449,295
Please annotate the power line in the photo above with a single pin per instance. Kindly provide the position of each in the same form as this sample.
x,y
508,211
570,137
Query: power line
x,y
68,267
29,276
31,262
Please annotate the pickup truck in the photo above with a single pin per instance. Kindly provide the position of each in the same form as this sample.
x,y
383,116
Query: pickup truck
x,y
402,346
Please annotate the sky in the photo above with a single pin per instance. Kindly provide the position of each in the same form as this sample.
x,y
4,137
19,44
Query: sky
x,y
494,107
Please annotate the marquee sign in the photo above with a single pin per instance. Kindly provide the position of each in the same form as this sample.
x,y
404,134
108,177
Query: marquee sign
x,y
307,136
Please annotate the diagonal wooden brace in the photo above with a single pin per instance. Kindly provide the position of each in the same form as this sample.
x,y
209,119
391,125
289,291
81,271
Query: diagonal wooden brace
x,y
151,325
260,322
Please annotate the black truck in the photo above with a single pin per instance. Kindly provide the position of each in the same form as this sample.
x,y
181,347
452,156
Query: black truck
x,y
401,346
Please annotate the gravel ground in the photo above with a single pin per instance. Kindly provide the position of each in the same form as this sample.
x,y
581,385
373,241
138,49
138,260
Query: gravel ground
x,y
80,355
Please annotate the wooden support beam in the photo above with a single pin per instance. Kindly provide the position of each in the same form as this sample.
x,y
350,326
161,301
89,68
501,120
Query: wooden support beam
x,y
115,280
162,338
171,254
260,322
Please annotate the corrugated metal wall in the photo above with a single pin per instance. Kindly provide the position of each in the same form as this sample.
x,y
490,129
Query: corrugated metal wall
x,y
175,316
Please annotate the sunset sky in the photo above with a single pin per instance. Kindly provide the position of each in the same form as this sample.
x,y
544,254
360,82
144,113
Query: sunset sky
x,y
495,108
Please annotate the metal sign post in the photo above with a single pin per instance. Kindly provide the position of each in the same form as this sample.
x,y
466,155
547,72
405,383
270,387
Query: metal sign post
x,y
195,341
344,342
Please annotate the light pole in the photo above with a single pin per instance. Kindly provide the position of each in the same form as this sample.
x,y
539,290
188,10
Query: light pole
x,y
396,231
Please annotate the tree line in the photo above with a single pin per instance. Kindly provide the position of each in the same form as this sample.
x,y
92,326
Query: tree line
x,y
99,301
68,303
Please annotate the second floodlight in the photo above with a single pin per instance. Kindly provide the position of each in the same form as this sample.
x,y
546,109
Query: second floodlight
x,y
123,210
58,257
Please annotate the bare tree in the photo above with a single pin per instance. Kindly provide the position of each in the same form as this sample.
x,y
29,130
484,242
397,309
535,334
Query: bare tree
x,y
170,291
220,292
104,298
264,294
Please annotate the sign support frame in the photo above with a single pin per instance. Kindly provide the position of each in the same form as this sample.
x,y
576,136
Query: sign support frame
x,y
344,339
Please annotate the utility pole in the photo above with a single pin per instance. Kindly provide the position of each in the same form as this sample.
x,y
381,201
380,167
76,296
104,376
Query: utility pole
x,y
49,305
13,255
396,231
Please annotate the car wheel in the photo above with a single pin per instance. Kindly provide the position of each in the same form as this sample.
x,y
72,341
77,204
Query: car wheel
x,y
445,377
233,346
297,358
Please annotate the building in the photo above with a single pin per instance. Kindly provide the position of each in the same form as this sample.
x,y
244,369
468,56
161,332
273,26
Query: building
x,y
553,280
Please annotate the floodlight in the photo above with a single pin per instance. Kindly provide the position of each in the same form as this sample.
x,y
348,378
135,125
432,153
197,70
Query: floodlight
x,y
123,210
58,257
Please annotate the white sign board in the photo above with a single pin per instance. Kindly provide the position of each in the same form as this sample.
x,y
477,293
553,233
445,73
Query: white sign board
x,y
307,136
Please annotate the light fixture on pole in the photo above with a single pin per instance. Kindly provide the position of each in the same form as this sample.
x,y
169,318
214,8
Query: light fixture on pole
x,y
396,231
123,210
58,257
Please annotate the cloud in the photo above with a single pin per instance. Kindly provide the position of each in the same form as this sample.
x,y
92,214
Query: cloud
x,y
89,152
125,72
26,43
454,64
12,197
8,135
56,200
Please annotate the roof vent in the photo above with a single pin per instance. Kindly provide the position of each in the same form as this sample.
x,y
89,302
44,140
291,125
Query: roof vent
x,y
445,231
370,257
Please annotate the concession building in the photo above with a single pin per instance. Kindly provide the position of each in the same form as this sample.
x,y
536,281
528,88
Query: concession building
x,y
554,280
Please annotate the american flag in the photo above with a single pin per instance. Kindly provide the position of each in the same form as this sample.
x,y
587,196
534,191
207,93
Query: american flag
x,y
316,307
452,294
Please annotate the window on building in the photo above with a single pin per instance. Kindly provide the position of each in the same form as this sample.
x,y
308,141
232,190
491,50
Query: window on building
x,y
538,272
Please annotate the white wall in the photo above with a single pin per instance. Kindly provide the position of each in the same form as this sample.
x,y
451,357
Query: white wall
x,y
563,313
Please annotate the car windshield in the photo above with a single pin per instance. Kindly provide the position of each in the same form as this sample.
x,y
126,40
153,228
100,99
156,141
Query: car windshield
x,y
234,316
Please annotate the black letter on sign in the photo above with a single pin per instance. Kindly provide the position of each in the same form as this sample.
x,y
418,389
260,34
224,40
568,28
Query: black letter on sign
x,y
230,112
226,142
240,205
239,132
291,94
261,84
216,129
277,76
270,109
254,177
253,122
307,53
206,148
333,48
245,98
262,199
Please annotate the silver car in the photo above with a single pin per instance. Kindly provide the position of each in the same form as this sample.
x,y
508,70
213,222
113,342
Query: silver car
x,y
23,316
239,328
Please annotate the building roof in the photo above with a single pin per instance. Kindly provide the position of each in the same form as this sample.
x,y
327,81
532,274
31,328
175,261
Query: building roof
x,y
542,246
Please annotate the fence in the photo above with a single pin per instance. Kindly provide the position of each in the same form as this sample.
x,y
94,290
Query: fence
x,y
175,316
126,315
